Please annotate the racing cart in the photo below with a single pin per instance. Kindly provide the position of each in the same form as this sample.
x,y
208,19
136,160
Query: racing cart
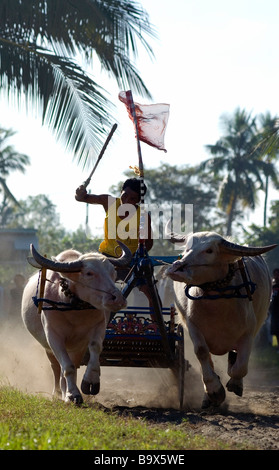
x,y
146,336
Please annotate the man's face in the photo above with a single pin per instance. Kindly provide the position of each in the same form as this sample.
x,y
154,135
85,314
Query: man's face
x,y
128,196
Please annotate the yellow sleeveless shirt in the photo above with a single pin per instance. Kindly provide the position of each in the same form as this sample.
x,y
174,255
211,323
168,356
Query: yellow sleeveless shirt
x,y
116,228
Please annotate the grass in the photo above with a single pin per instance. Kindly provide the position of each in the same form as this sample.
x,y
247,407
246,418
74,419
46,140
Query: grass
x,y
31,422
267,357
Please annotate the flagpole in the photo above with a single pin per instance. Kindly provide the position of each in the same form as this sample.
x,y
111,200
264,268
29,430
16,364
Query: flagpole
x,y
131,105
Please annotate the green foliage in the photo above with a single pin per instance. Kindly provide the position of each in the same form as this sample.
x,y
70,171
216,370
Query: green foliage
x,y
80,240
259,236
40,43
237,159
170,184
39,213
10,161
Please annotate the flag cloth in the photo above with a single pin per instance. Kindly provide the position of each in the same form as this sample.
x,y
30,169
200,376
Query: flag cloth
x,y
152,120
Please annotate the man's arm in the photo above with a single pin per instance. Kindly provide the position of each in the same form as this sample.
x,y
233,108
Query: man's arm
x,y
83,196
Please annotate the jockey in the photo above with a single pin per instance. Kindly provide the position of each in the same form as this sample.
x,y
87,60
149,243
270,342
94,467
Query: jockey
x,y
121,211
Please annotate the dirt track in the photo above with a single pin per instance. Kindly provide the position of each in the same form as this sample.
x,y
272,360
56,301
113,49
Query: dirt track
x,y
251,420
151,394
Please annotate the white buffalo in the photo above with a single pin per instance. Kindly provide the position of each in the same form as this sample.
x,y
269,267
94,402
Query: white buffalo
x,y
68,332
222,303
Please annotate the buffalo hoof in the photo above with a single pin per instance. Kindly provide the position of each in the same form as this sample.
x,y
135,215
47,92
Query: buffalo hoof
x,y
235,387
89,388
214,399
76,399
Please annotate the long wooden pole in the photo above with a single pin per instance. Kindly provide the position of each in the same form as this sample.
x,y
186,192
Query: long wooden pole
x,y
131,105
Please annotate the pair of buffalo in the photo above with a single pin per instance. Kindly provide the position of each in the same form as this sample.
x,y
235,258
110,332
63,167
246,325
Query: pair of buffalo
x,y
216,325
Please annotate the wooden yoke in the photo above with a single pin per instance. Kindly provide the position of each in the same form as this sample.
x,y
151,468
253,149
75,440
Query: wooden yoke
x,y
42,289
243,272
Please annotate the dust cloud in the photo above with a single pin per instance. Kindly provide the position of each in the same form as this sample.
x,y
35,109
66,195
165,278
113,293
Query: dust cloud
x,y
23,362
24,366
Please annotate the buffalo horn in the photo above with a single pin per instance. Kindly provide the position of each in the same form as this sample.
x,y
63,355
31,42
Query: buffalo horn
x,y
62,267
33,263
245,250
124,259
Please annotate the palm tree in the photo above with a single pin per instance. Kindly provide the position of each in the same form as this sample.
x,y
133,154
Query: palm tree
x,y
39,45
10,160
236,158
268,127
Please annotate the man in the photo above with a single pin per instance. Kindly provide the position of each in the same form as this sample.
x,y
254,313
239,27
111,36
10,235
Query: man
x,y
274,307
122,221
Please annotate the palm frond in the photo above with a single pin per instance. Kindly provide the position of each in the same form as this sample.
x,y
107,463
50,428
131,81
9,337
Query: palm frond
x,y
38,41
72,104
269,143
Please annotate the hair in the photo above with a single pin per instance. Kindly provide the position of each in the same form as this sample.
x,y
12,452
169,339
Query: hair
x,y
135,185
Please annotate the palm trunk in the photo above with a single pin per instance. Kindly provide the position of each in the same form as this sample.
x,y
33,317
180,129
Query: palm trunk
x,y
265,200
231,212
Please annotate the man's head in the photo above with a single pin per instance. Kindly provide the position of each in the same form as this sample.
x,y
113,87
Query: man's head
x,y
131,191
276,275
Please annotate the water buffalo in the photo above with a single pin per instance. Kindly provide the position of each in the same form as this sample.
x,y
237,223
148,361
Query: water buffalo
x,y
68,334
216,302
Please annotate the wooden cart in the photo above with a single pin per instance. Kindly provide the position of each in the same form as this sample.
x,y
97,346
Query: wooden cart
x,y
146,336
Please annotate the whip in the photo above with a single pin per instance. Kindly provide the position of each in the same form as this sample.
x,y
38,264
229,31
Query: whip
x,y
86,182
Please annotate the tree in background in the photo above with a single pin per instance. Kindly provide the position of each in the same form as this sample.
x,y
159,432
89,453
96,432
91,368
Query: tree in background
x,y
39,46
168,185
259,236
10,160
39,213
237,160
268,126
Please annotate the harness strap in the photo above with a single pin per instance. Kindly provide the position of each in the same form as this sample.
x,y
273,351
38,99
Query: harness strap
x,y
75,303
247,283
42,289
221,286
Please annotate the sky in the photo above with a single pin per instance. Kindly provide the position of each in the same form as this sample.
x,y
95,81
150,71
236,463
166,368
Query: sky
x,y
211,57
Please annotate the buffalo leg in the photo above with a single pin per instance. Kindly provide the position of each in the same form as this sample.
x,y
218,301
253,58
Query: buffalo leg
x,y
56,369
90,384
215,392
238,368
68,369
